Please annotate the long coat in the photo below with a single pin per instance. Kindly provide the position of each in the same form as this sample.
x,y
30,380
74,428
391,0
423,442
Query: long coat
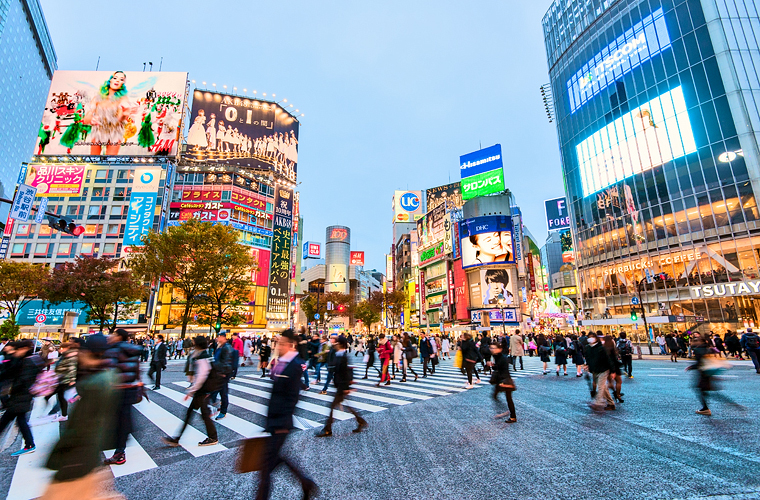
x,y
516,346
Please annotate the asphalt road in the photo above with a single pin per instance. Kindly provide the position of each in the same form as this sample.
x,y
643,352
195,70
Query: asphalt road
x,y
438,441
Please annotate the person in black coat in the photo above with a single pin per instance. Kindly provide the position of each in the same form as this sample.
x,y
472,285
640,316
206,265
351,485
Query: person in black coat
x,y
470,357
158,362
286,373
125,357
599,365
501,379
20,372
343,378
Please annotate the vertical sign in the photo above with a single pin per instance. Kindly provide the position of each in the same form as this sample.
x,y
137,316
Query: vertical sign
x,y
282,239
517,232
22,204
142,204
448,248
41,211
423,298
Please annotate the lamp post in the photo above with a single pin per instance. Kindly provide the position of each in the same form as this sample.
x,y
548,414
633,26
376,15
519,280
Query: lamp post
x,y
644,314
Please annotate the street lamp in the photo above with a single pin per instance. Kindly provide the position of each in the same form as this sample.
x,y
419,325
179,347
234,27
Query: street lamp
x,y
502,302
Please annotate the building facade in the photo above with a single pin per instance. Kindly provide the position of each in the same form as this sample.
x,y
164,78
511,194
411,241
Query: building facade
x,y
27,63
657,118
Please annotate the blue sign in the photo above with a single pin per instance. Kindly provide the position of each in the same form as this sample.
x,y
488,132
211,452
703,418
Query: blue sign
x,y
630,50
557,215
22,173
54,313
22,204
635,301
317,316
410,202
41,210
510,315
142,206
487,240
480,161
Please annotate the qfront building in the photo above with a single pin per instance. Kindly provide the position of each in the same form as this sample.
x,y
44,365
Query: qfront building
x,y
657,119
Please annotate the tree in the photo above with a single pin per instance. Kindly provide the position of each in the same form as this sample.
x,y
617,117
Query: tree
x,y
392,303
109,295
368,313
200,260
342,306
20,283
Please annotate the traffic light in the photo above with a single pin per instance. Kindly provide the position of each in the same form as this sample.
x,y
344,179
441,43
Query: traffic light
x,y
341,308
218,325
65,225
634,315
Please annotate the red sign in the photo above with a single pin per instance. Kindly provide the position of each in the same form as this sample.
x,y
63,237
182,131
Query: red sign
x,y
205,215
313,250
260,274
339,234
460,291
357,258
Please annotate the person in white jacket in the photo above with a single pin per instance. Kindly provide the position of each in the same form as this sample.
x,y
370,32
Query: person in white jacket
x,y
398,352
445,348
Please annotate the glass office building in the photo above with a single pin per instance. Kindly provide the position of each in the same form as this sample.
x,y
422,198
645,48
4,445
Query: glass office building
x,y
27,63
656,106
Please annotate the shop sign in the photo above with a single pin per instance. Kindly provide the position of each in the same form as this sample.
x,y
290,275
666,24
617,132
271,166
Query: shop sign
x,y
431,253
726,289
663,260
494,315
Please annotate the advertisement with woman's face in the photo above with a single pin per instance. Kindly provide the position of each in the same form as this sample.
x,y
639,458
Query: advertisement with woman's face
x,y
487,240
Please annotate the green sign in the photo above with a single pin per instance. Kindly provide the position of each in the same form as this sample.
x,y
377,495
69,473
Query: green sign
x,y
431,253
482,184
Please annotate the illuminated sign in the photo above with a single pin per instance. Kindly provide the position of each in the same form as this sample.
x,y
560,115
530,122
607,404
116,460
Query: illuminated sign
x,y
431,253
56,180
142,204
663,260
482,172
357,258
652,134
486,240
407,206
630,50
338,234
312,250
726,289
557,215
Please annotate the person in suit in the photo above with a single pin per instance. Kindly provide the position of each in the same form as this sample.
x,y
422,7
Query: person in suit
x,y
286,373
343,379
158,362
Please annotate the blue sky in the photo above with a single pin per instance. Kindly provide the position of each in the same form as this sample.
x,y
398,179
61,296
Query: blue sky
x,y
393,92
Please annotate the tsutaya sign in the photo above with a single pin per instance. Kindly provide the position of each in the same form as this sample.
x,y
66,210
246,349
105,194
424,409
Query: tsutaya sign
x,y
671,258
726,289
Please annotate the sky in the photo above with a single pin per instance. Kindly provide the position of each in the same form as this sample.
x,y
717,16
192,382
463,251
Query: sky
x,y
392,92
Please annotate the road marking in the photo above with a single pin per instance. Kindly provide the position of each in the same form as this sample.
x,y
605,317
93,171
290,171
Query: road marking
x,y
170,424
660,375
138,459
413,386
31,477
319,410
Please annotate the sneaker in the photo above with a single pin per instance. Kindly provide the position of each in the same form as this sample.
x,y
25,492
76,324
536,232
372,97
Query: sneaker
x,y
208,442
469,386
511,420
61,418
324,433
323,392
116,459
169,441
630,376
221,416
704,412
360,427
24,451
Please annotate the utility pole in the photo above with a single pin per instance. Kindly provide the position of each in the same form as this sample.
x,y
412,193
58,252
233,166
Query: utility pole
x,y
644,315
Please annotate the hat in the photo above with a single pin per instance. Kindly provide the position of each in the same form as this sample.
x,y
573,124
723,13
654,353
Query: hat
x,y
97,343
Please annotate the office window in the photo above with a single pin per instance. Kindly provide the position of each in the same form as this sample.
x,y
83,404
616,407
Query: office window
x,y
101,174
64,248
18,249
109,248
40,249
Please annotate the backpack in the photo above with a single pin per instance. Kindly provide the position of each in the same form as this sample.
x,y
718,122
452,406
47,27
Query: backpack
x,y
753,342
45,384
214,381
624,347
560,349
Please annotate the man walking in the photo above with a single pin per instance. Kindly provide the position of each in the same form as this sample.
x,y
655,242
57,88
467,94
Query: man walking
x,y
625,349
751,343
426,350
158,362
223,360
662,343
516,349
343,380
21,372
286,373
599,365
329,357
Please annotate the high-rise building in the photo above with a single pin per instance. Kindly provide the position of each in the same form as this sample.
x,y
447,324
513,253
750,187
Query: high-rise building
x,y
656,106
27,63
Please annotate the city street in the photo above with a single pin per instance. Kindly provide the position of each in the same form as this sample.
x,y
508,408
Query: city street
x,y
433,439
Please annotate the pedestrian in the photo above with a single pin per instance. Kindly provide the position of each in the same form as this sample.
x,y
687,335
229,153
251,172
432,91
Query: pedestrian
x,y
707,365
398,354
426,350
125,358
385,353
224,358
321,356
615,378
517,349
663,344
66,370
410,352
625,349
719,345
205,379
542,346
158,362
750,342
342,379
286,388
369,358
485,352
673,347
445,347
502,380
330,364
237,353
733,344
576,352
247,351
264,353
303,353
599,365
470,357
560,354
20,373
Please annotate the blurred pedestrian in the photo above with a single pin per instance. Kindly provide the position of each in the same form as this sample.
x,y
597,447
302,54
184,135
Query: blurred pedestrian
x,y
625,349
385,353
501,379
615,377
516,349
750,342
560,354
20,373
223,361
66,370
576,353
599,365
470,357
265,351
409,353
707,365
343,379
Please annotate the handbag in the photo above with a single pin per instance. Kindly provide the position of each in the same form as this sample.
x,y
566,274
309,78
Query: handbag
x,y
252,455
458,359
366,358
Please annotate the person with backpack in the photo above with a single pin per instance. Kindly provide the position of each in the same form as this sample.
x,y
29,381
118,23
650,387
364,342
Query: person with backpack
x,y
426,350
343,378
543,351
21,372
470,357
385,353
205,379
750,342
410,352
625,349
501,379
599,365
576,353
560,353
224,358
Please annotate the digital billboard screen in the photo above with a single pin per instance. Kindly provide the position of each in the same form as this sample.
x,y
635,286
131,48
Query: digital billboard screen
x,y
487,240
657,132
242,131
557,215
112,113
644,40
488,286
482,172
449,194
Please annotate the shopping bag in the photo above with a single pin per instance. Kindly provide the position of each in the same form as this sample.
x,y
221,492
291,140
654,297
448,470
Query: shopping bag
x,y
366,358
252,455
70,395
458,359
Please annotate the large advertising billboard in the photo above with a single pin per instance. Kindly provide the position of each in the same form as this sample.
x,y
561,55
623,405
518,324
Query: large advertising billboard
x,y
312,250
489,286
357,258
242,131
142,205
430,228
657,132
56,180
112,113
449,194
279,275
482,172
486,240
557,215
407,206
643,41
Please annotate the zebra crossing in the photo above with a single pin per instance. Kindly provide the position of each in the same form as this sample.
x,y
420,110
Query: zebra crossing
x,y
248,397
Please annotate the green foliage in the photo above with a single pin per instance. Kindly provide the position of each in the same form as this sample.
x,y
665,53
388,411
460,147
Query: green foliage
x,y
392,303
20,283
368,313
9,329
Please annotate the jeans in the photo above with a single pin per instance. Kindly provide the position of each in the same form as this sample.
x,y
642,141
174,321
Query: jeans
x,y
62,403
224,393
663,351
199,403
23,426
318,369
627,360
754,354
328,380
425,363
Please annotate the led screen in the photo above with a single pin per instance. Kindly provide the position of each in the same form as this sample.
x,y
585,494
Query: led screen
x,y
652,134
486,240
630,50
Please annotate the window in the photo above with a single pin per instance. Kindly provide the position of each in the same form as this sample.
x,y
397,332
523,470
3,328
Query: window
x,y
113,229
23,229
109,248
17,249
86,248
125,175
45,230
40,249
64,248
93,210
88,176
101,174
73,210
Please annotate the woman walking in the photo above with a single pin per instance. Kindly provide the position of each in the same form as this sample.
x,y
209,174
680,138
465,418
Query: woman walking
x,y
615,378
398,353
502,380
66,369
672,347
560,353
445,348
470,356
369,357
543,351
408,358
264,355
576,350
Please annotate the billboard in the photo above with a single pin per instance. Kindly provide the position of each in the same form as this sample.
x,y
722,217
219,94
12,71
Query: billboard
x,y
486,286
389,279
242,131
56,180
482,172
112,113
142,204
460,292
357,258
557,215
312,250
260,271
486,240
407,206
431,228
278,299
566,240
643,41
652,134
449,194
